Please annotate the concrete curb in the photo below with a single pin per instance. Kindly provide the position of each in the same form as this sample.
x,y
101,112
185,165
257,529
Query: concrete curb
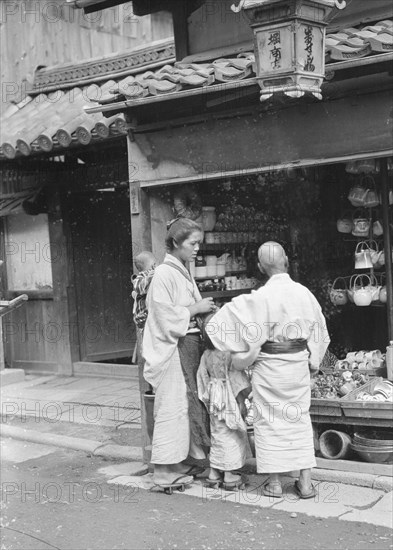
x,y
96,448
119,452
11,376
372,481
383,483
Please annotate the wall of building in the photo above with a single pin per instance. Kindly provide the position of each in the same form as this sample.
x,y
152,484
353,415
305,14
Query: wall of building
x,y
35,33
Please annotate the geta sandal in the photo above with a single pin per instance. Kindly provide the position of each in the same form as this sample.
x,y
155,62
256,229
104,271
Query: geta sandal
x,y
178,484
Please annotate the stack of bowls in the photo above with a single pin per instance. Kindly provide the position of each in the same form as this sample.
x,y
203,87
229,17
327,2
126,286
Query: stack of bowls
x,y
374,446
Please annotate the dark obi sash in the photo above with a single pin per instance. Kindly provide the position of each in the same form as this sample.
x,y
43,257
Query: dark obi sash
x,y
289,346
189,347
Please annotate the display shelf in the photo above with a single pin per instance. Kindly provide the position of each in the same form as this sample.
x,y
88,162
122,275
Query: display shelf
x,y
352,421
373,305
217,247
227,273
208,277
226,293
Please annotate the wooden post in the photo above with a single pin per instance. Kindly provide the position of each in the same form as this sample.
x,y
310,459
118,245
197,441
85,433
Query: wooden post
x,y
1,346
1,334
387,245
59,255
141,240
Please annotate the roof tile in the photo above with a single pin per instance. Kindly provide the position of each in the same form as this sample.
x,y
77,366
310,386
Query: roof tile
x,y
57,119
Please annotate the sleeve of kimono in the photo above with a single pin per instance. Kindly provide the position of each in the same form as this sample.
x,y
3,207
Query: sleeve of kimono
x,y
203,380
239,328
197,294
170,320
166,323
238,379
319,338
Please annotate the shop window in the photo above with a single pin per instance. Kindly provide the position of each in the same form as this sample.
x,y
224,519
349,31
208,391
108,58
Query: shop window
x,y
27,253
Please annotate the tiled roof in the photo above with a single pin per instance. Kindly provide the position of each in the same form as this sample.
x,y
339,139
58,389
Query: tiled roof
x,y
57,120
352,43
49,122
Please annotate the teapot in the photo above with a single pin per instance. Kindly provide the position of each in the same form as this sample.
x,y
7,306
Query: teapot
x,y
383,295
363,256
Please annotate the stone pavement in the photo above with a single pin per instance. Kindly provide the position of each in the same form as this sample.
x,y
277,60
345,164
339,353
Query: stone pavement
x,y
91,400
333,500
101,416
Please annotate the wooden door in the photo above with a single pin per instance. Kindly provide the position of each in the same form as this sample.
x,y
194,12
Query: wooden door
x,y
102,258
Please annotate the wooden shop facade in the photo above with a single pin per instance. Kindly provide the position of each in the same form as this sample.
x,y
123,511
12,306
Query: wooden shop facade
x,y
65,220
193,121
284,168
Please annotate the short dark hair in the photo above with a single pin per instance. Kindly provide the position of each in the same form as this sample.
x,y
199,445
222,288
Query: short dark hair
x,y
179,231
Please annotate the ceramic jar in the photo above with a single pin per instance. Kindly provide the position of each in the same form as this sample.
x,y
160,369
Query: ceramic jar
x,y
208,217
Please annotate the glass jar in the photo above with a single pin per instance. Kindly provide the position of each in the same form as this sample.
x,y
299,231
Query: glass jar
x,y
209,217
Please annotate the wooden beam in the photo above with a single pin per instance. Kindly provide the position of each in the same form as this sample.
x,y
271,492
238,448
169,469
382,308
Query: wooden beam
x,y
387,244
180,28
144,7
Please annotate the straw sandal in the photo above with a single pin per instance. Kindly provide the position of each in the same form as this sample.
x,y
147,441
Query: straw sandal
x,y
268,489
300,494
195,470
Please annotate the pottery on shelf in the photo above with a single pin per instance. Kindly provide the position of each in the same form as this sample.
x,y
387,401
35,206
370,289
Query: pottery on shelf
x,y
208,217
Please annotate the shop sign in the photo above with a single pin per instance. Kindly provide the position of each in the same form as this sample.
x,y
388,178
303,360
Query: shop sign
x,y
289,38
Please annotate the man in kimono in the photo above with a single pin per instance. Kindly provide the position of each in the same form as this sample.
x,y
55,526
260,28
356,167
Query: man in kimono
x,y
281,331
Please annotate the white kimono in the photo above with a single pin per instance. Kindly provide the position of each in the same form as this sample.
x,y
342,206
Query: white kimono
x,y
169,295
281,310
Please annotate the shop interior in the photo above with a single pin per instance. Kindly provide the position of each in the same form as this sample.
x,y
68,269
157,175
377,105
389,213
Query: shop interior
x,y
307,210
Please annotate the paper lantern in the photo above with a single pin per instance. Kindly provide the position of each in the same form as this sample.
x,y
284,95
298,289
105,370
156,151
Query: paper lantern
x,y
289,41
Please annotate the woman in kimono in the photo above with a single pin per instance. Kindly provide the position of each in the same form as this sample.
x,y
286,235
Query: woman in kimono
x,y
171,350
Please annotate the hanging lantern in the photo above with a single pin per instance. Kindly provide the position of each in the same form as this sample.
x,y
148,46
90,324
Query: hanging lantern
x,y
289,42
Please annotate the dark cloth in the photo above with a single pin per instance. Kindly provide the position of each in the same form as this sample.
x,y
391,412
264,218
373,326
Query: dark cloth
x,y
289,346
189,347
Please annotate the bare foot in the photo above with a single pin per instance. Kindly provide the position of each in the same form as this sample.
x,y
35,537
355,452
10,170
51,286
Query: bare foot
x,y
230,477
273,489
305,483
214,474
166,475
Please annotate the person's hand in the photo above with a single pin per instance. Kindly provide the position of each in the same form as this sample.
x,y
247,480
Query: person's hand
x,y
206,305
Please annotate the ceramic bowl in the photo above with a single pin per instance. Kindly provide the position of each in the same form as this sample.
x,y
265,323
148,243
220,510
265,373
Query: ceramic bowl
x,y
371,454
374,438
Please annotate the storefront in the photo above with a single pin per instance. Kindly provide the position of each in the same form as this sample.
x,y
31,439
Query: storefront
x,y
65,221
278,170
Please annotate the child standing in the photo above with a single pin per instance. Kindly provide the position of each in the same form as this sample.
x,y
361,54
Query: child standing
x,y
223,390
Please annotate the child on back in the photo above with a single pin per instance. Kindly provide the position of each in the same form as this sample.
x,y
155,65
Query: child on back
x,y
223,390
145,263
